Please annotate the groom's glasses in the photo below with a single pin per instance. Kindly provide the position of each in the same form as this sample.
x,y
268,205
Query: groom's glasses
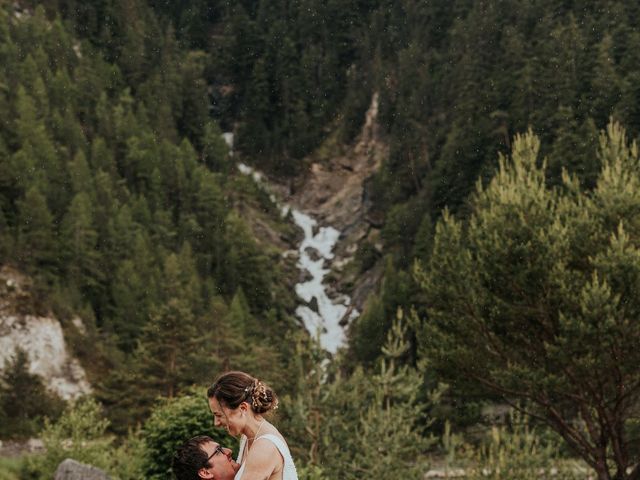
x,y
215,452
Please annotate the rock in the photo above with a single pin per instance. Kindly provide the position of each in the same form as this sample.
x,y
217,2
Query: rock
x,y
70,469
314,254
304,276
313,305
35,445
26,326
338,187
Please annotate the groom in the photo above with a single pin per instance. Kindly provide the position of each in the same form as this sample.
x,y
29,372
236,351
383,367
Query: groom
x,y
201,457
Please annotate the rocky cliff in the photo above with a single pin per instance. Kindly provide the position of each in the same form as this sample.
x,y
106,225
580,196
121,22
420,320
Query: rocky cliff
x,y
334,191
24,326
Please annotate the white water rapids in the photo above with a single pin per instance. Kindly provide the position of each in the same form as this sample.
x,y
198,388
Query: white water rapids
x,y
315,252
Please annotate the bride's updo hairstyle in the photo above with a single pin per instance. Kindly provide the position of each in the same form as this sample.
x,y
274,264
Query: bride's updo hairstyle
x,y
233,388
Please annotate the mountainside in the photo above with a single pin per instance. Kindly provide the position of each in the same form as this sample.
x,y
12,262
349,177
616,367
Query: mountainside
x,y
39,335
334,189
124,211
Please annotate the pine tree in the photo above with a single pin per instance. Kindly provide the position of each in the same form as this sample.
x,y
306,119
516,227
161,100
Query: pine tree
x,y
334,416
36,240
79,242
24,399
215,152
80,175
171,342
532,296
245,264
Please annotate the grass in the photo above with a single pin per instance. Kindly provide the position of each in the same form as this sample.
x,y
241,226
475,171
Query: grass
x,y
10,468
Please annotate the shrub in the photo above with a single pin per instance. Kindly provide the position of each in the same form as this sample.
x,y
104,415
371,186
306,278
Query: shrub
x,y
171,423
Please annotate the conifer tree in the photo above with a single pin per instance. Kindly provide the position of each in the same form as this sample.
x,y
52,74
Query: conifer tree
x,y
245,264
79,241
36,240
533,297
171,342
338,416
24,399
215,152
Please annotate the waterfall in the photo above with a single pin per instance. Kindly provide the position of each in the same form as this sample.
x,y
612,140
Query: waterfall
x,y
315,251
315,254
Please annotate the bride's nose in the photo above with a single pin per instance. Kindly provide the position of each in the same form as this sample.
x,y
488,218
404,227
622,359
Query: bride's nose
x,y
217,422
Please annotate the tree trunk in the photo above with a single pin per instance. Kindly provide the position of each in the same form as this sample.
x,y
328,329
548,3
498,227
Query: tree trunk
x,y
602,471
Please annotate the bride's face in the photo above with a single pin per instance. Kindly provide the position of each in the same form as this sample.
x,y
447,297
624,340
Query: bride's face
x,y
223,417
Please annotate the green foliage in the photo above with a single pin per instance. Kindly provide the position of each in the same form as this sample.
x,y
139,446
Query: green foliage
x,y
172,423
112,167
368,333
532,296
36,242
79,434
215,150
10,468
366,256
25,402
365,424
513,451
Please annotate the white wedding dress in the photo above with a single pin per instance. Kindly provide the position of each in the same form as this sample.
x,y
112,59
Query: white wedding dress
x,y
288,470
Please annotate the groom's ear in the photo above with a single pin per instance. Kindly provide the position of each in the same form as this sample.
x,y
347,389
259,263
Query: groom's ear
x,y
204,473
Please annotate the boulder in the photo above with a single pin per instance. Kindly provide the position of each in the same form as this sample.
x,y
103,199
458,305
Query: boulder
x,y
70,469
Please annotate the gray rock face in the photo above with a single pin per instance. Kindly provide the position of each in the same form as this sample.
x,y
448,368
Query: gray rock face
x,y
39,334
71,470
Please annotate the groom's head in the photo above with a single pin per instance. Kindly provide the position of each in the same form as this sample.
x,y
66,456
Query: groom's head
x,y
201,457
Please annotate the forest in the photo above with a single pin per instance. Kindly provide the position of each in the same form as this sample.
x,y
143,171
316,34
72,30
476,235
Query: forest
x,y
502,338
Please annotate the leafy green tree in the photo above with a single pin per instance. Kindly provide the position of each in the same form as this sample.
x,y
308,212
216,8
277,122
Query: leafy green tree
x,y
534,297
194,113
172,422
210,208
573,149
253,136
240,316
515,450
606,82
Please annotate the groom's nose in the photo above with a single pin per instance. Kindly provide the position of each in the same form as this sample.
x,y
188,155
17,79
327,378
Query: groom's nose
x,y
227,452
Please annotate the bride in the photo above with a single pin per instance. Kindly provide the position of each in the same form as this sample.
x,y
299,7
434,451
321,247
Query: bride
x,y
238,402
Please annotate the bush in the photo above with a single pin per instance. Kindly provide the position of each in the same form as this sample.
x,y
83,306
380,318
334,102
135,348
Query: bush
x,y
513,452
78,434
365,424
25,402
171,423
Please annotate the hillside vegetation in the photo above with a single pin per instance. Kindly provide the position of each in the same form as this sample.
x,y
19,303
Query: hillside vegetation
x,y
507,202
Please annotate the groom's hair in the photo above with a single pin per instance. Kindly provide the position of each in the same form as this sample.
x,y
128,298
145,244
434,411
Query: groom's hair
x,y
189,458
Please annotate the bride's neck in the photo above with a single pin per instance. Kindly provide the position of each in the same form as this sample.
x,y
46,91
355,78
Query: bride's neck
x,y
253,427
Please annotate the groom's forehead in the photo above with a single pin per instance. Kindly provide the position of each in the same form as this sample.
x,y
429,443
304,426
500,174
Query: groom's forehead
x,y
209,447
